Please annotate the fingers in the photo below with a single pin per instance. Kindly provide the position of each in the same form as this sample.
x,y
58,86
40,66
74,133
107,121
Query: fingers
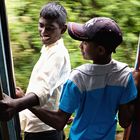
x,y
6,97
3,106
5,110
70,120
136,76
19,92
18,88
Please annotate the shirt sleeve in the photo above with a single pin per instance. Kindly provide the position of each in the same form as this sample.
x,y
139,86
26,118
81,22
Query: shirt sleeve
x,y
70,98
23,120
130,91
45,78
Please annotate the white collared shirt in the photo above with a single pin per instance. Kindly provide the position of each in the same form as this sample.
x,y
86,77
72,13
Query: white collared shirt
x,y
46,81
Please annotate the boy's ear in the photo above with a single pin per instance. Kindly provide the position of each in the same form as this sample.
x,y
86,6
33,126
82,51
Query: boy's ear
x,y
64,28
101,50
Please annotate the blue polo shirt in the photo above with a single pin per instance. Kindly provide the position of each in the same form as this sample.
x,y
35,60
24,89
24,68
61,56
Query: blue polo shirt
x,y
94,92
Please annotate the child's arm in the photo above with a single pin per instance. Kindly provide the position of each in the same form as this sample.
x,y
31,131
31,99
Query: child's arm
x,y
128,111
56,119
126,114
9,106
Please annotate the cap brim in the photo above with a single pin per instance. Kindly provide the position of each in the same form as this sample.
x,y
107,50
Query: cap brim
x,y
76,31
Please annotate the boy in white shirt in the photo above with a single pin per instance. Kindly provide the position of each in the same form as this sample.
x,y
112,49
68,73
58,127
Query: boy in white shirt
x,y
48,75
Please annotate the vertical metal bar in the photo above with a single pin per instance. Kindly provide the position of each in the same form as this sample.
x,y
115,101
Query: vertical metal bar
x,y
6,72
4,127
137,62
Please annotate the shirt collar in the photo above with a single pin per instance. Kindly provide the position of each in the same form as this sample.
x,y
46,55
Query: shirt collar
x,y
96,69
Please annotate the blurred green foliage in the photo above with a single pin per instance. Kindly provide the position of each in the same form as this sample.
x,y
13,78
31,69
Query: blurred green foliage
x,y
25,42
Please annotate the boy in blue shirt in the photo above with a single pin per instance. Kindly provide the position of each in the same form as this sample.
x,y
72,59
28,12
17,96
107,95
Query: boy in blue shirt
x,y
95,92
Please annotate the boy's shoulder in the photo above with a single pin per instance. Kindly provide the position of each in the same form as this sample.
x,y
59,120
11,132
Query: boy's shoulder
x,y
82,69
114,67
120,66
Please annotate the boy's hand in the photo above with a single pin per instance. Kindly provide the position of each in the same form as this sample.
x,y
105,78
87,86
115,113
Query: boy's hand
x,y
136,75
19,92
6,108
70,120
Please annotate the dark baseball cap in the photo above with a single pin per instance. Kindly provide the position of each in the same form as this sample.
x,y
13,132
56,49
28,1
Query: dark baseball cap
x,y
101,30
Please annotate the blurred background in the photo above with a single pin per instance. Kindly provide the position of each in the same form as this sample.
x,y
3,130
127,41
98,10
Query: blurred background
x,y
25,41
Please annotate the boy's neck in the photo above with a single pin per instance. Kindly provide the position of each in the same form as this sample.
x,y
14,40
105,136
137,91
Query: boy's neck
x,y
52,44
103,60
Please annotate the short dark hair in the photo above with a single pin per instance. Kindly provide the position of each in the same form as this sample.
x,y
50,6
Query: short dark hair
x,y
54,11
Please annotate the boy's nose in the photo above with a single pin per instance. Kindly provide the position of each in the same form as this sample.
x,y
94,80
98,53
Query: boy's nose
x,y
81,45
43,30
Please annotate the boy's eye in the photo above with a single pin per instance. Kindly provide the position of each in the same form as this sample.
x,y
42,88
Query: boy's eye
x,y
50,28
47,28
41,25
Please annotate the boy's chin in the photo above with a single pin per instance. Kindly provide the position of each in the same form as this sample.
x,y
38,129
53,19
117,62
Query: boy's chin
x,y
46,43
